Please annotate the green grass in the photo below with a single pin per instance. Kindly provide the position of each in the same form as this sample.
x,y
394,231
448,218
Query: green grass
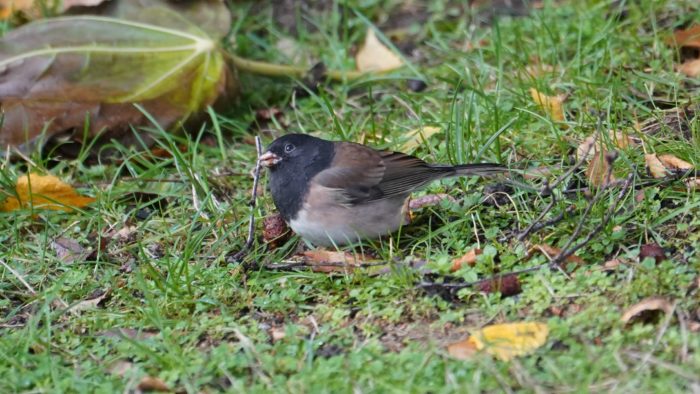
x,y
204,325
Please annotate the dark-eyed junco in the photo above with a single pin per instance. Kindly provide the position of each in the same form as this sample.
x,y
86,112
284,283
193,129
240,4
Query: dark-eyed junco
x,y
336,193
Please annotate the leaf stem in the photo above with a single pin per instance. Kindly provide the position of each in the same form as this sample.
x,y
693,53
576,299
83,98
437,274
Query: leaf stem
x,y
283,70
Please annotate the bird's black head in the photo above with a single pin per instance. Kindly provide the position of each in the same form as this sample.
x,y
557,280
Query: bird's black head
x,y
293,160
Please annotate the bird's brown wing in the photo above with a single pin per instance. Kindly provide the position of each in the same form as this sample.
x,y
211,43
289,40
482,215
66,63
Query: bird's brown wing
x,y
362,174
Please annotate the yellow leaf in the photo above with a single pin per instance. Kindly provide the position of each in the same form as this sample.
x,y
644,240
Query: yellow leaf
x,y
674,163
503,341
44,192
375,56
552,105
417,137
654,165
597,170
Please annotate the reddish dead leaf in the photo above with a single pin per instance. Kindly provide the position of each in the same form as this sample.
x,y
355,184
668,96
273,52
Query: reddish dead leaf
x,y
468,259
652,250
551,252
646,307
688,37
552,105
44,192
507,285
150,383
275,230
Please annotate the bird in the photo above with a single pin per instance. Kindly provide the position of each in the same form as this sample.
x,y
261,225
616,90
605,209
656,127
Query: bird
x,y
335,193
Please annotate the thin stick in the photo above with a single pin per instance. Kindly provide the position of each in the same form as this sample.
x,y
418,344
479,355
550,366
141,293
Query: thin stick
x,y
238,256
18,276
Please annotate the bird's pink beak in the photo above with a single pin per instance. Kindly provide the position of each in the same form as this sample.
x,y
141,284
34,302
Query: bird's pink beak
x,y
269,159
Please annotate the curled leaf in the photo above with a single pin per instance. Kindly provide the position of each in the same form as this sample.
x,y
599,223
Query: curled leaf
x,y
416,137
650,304
44,192
58,73
375,56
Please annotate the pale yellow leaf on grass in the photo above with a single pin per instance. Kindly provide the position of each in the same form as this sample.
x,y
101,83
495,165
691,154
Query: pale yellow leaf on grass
x,y
674,163
503,341
375,56
617,138
44,192
655,167
690,68
552,105
418,136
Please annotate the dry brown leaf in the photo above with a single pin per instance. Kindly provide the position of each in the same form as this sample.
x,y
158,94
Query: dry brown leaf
x,y
44,192
688,37
597,170
150,383
329,261
375,56
673,163
690,68
10,7
693,183
503,341
654,165
655,303
589,148
69,250
508,285
468,258
91,303
652,250
552,105
551,251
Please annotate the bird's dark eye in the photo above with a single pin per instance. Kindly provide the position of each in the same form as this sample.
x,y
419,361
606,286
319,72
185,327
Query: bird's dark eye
x,y
288,148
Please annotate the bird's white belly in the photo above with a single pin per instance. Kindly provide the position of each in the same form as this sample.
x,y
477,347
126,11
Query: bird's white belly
x,y
336,225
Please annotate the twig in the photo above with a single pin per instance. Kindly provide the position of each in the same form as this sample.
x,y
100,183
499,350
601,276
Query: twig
x,y
566,251
458,286
238,256
285,266
27,285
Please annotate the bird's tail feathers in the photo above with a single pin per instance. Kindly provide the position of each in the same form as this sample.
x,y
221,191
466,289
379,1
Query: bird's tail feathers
x,y
479,169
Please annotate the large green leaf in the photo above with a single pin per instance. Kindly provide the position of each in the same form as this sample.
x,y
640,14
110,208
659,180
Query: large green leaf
x,y
55,71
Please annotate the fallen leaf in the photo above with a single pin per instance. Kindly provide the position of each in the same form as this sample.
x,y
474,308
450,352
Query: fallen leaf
x,y
597,170
690,68
693,183
503,341
417,137
508,285
688,37
650,304
277,333
329,261
150,383
120,368
468,258
552,105
612,265
673,163
36,191
375,56
551,252
211,16
69,250
10,7
655,167
652,250
49,88
417,203
663,165
90,303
